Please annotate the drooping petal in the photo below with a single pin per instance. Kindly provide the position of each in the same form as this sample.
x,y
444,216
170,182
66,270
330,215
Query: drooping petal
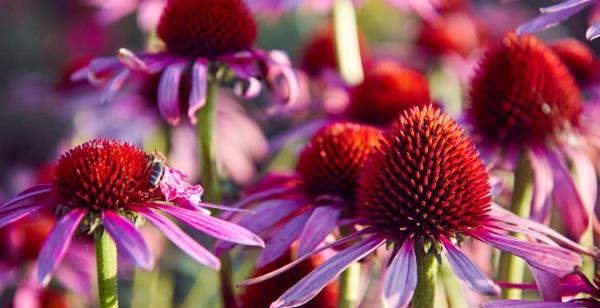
x,y
593,31
554,260
281,77
571,4
542,185
131,60
114,85
468,272
283,239
12,215
585,176
247,88
225,208
174,187
181,239
241,63
401,277
128,240
168,92
57,243
567,199
29,194
548,284
309,286
320,224
548,20
216,227
199,85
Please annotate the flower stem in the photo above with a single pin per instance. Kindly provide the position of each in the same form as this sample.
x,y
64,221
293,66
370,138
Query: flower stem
x,y
209,176
106,264
346,42
512,268
349,286
427,269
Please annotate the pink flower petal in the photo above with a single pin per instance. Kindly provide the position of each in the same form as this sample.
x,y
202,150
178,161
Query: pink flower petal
x,y
131,60
28,195
550,19
593,31
542,185
468,272
128,239
320,224
247,88
283,239
168,92
309,286
401,277
585,176
57,243
14,214
548,284
213,226
571,4
114,85
528,304
174,187
179,238
199,85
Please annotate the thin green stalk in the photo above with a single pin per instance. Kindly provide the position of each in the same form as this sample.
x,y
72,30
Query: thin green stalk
x,y
512,268
106,264
346,42
209,176
349,286
427,269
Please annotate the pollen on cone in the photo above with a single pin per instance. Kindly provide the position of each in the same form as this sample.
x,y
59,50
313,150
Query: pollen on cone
x,y
103,174
206,28
577,56
425,180
388,89
332,159
522,92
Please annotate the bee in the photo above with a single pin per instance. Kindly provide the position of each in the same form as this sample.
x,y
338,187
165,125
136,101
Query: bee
x,y
157,169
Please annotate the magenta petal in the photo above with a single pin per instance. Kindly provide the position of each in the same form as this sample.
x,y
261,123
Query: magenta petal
x,y
9,216
129,59
585,176
57,243
548,284
247,88
593,31
468,272
283,239
320,224
174,187
114,85
179,238
401,277
554,260
168,92
128,239
309,286
216,227
542,185
568,202
198,94
27,195
529,304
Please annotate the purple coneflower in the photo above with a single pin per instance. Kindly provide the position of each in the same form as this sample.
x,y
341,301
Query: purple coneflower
x,y
525,101
308,204
557,13
423,191
200,37
108,185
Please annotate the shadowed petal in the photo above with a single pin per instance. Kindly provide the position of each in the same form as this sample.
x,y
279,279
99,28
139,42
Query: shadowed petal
x,y
114,85
132,61
247,88
320,224
57,243
555,260
179,238
12,215
401,277
128,239
585,176
313,283
283,239
198,94
593,31
542,185
214,226
468,272
29,194
548,284
168,92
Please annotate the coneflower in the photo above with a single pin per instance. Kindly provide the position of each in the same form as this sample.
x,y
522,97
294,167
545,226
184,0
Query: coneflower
x,y
105,188
557,13
310,203
423,191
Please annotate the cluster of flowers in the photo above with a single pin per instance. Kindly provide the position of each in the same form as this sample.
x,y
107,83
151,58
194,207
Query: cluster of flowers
x,y
386,180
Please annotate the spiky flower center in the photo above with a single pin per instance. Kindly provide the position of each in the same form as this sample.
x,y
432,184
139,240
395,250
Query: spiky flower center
x,y
332,159
104,174
522,92
206,28
425,180
388,89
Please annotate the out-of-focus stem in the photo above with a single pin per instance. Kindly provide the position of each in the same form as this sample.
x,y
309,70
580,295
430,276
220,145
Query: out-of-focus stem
x,y
106,265
512,268
346,42
349,286
427,268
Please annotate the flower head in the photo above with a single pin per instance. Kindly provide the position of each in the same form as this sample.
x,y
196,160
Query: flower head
x,y
106,186
577,56
207,28
388,89
422,192
522,92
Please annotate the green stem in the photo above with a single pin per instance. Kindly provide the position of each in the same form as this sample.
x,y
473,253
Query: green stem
x,y
427,269
349,284
512,268
346,42
106,264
